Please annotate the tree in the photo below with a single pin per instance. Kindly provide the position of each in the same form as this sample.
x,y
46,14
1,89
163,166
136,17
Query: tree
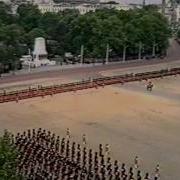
x,y
5,14
31,35
11,34
48,23
131,33
11,44
8,158
29,16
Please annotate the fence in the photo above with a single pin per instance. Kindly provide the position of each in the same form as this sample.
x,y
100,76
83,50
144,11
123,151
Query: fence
x,y
41,91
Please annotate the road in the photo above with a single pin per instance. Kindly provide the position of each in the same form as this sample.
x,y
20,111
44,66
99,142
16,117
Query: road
x,y
172,55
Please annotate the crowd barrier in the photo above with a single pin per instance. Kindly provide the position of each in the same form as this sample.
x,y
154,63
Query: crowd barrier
x,y
42,91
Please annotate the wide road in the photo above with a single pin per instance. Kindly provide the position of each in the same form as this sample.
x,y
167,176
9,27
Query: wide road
x,y
172,55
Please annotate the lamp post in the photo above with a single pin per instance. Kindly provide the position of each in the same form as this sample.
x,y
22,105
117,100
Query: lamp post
x,y
154,49
82,54
29,52
14,63
124,53
140,51
107,54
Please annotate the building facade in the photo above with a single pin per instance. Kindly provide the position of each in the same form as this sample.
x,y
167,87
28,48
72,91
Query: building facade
x,y
82,8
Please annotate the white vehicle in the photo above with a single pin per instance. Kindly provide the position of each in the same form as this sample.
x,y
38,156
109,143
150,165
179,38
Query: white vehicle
x,y
68,55
26,58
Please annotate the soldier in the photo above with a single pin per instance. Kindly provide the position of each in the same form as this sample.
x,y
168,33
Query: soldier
x,y
68,133
84,140
139,175
107,149
102,160
84,156
157,176
147,177
100,150
57,143
131,174
67,149
62,145
157,169
136,162
123,170
78,158
124,177
116,167
73,151
117,176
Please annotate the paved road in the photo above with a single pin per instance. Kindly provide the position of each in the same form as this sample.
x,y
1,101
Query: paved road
x,y
79,71
173,55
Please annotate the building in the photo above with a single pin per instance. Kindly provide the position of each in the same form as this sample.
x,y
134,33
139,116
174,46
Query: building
x,y
83,8
77,1
171,9
178,13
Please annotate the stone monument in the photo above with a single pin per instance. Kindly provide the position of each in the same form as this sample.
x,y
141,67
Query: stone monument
x,y
40,55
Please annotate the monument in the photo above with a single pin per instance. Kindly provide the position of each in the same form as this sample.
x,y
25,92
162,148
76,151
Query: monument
x,y
40,51
39,57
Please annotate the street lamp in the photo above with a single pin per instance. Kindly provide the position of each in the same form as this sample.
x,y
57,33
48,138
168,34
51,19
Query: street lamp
x,y
140,50
154,49
108,50
107,53
82,54
14,63
30,59
124,53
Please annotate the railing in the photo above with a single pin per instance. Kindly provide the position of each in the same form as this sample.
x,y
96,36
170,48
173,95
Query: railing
x,y
42,91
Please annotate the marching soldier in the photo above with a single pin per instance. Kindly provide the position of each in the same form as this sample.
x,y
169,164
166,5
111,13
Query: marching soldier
x,y
157,169
136,162
84,140
68,134
107,149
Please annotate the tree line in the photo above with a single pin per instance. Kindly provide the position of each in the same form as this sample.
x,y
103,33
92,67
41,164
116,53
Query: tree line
x,y
134,32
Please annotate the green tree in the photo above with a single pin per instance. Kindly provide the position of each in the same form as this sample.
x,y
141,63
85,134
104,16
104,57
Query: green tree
x,y
8,158
11,44
31,35
124,31
128,33
11,34
5,14
29,16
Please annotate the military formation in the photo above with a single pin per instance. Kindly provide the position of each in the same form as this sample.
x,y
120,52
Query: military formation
x,y
44,156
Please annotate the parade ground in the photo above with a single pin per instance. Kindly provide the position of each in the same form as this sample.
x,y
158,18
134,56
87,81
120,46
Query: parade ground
x,y
130,119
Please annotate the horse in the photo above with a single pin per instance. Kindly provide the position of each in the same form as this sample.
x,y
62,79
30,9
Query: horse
x,y
149,86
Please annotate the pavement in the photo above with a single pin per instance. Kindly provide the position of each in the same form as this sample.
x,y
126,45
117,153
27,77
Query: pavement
x,y
82,70
87,70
